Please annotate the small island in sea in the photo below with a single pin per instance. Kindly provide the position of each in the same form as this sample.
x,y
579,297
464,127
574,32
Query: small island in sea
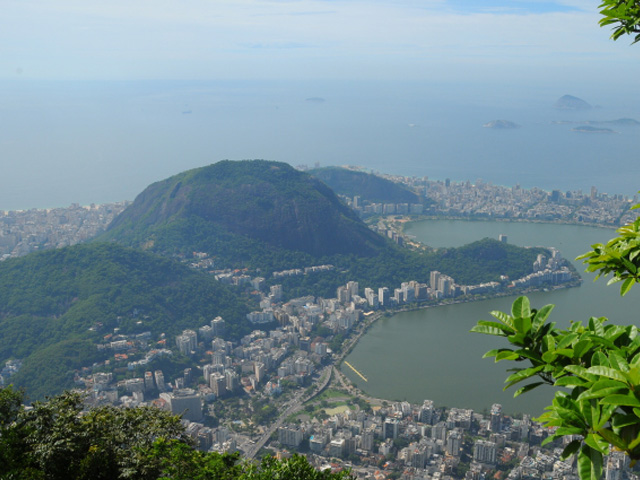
x,y
501,125
590,129
620,121
569,102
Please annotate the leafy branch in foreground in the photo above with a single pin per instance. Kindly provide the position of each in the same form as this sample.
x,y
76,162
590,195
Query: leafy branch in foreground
x,y
599,366
620,256
624,14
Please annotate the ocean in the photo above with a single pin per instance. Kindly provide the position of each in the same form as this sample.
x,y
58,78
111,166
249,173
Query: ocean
x,y
96,142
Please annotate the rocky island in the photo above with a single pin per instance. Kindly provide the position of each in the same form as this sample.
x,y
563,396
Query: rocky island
x,y
590,129
501,125
569,102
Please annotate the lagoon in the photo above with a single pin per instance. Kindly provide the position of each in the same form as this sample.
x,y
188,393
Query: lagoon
x,y
430,354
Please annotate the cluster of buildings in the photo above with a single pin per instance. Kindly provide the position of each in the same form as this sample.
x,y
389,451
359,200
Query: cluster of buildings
x,y
10,368
420,442
294,272
545,271
25,231
346,309
258,362
366,208
480,199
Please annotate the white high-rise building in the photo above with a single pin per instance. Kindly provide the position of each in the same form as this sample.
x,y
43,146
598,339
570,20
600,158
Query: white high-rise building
x,y
159,376
484,451
383,296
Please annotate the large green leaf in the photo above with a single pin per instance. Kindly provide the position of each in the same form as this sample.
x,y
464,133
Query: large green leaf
x,y
521,307
521,375
597,443
624,400
522,324
571,381
527,388
570,449
618,361
613,438
607,372
589,463
503,317
487,330
506,355
541,317
498,325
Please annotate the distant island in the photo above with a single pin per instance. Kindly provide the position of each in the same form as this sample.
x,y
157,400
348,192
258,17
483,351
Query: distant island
x,y
569,102
501,125
619,121
590,129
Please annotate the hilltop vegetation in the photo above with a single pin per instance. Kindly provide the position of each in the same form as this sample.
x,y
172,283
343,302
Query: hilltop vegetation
x,y
49,301
367,185
255,213
269,216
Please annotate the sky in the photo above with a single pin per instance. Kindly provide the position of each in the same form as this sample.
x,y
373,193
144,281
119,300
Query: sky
x,y
439,40
93,94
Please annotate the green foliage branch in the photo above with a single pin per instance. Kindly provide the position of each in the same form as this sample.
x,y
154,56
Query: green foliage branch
x,y
596,364
624,15
620,257
58,440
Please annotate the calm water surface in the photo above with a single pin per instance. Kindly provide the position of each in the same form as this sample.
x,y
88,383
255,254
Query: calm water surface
x,y
430,354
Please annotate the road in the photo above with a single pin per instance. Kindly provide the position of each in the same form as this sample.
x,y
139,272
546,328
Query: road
x,y
294,405
299,399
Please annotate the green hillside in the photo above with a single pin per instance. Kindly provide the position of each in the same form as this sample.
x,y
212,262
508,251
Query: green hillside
x,y
49,301
256,213
270,216
368,186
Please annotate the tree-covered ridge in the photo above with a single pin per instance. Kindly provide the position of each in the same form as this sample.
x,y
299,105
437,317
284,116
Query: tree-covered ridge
x,y
366,185
478,262
485,260
241,212
55,304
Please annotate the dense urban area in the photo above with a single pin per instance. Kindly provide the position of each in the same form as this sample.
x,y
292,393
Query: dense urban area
x,y
281,390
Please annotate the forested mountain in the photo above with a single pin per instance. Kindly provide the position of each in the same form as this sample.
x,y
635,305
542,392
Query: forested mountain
x,y
55,305
366,185
255,213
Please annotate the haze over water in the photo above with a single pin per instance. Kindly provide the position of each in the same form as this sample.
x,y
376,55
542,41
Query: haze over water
x,y
95,142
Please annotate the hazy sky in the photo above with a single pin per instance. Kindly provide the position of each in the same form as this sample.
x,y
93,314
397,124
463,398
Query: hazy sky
x,y
437,40
448,66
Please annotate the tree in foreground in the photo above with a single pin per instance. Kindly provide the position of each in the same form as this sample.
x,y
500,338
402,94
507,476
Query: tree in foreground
x,y
597,364
56,439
